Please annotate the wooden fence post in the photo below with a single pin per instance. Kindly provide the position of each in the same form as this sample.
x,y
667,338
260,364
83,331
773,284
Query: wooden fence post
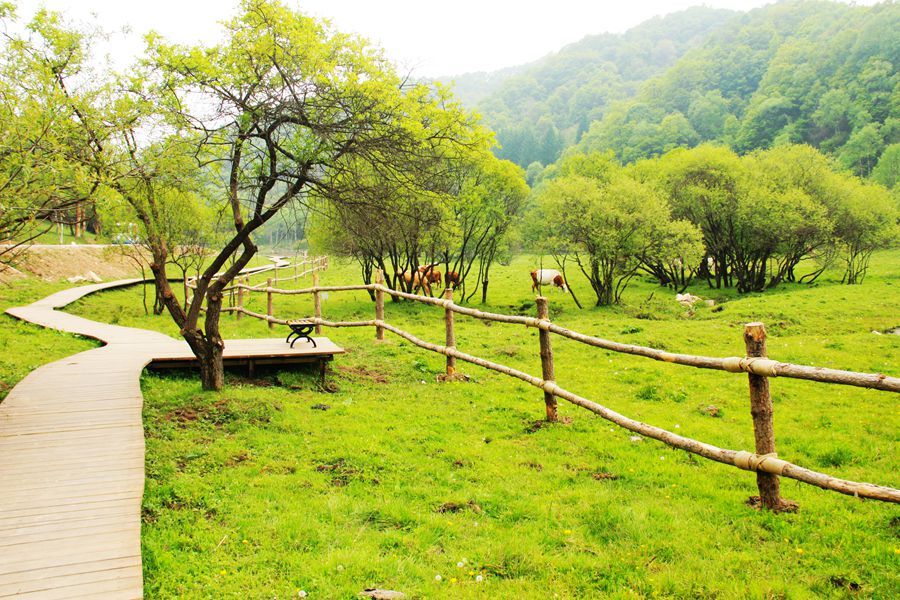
x,y
269,310
451,335
543,313
379,305
761,411
240,294
317,301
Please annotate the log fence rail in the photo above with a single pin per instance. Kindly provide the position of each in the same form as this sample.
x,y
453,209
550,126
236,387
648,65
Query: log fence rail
x,y
756,364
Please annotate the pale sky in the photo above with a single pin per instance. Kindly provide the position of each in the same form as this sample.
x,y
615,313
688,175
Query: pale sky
x,y
429,38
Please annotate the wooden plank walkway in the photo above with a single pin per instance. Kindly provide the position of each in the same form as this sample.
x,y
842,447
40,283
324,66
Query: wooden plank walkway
x,y
72,455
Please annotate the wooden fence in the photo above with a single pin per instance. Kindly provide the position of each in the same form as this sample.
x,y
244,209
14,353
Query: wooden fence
x,y
756,364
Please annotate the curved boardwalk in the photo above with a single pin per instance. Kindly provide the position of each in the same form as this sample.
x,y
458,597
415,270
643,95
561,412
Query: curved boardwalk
x,y
72,457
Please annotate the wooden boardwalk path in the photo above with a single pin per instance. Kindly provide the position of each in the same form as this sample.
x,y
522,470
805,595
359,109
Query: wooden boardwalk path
x,y
72,455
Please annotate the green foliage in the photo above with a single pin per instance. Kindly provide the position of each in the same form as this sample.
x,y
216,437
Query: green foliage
x,y
464,222
43,172
611,223
887,171
539,109
818,73
760,215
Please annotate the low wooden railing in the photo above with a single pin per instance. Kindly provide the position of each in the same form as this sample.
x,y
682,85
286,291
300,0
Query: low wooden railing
x,y
756,364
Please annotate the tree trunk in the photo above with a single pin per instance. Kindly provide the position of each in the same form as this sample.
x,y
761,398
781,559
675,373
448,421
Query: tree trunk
x,y
212,375
212,369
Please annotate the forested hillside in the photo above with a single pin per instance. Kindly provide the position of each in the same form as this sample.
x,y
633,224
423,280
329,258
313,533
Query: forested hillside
x,y
821,73
541,108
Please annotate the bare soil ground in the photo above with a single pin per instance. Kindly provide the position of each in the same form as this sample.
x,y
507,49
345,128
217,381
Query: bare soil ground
x,y
52,263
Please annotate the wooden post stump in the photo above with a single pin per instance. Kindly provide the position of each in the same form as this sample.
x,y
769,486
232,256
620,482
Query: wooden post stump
x,y
269,311
379,305
240,295
763,427
317,301
451,334
543,313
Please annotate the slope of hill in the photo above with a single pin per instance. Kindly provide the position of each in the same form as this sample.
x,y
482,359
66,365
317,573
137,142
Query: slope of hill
x,y
818,72
821,73
540,108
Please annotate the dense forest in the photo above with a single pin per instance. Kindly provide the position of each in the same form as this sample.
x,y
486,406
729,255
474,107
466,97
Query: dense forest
x,y
540,108
819,73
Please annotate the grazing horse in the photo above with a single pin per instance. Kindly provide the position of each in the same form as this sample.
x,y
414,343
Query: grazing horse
x,y
417,280
541,277
430,274
452,279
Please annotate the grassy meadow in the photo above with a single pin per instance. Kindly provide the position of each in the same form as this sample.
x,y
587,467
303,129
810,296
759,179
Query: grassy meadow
x,y
391,479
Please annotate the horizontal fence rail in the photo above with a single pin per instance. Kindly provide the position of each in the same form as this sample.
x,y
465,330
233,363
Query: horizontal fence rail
x,y
733,364
759,368
319,263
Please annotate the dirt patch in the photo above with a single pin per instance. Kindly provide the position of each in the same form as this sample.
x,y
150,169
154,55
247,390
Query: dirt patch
x,y
844,583
343,472
251,381
458,377
786,506
538,425
711,410
52,263
237,459
455,507
358,373
182,415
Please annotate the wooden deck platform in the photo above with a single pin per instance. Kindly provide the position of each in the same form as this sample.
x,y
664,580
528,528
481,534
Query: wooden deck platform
x,y
72,453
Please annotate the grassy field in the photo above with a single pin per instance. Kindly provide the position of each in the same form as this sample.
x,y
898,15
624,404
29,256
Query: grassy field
x,y
394,480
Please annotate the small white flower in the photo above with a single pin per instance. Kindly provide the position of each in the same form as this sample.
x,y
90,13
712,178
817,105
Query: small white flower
x,y
635,438
302,594
475,524
677,426
662,458
437,577
340,567
479,578
422,381
460,564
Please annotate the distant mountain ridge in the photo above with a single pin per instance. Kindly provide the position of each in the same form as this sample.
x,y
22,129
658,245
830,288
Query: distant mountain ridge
x,y
539,108
818,72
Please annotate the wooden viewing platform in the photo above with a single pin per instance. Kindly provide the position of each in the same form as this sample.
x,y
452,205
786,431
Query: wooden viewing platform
x,y
72,453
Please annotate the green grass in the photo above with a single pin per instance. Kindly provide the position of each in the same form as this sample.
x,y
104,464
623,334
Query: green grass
x,y
260,491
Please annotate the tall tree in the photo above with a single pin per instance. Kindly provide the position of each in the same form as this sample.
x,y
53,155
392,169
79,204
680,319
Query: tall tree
x,y
44,179
286,108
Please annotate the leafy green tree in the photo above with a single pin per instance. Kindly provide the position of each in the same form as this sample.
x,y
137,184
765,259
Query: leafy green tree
x,y
705,186
866,220
288,109
860,153
707,114
887,171
43,176
490,197
611,223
